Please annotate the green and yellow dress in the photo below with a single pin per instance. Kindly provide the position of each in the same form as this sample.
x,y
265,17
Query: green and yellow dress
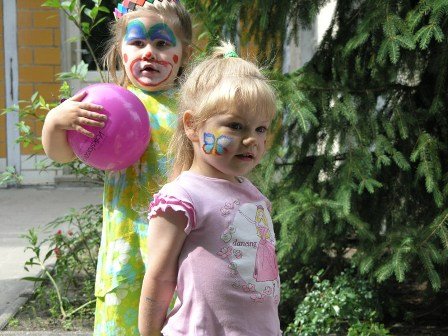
x,y
127,193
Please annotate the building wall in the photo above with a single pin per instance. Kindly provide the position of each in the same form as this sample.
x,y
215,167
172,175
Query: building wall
x,y
39,42
39,60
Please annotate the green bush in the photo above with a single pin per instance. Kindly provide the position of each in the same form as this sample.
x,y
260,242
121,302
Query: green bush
x,y
368,329
348,303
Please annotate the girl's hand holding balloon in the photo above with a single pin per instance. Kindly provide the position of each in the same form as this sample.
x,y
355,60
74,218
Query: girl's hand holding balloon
x,y
105,126
125,135
74,114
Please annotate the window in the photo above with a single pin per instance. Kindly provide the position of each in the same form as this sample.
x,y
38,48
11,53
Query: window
x,y
99,34
74,50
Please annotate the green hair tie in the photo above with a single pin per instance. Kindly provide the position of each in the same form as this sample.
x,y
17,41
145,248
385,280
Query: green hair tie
x,y
230,54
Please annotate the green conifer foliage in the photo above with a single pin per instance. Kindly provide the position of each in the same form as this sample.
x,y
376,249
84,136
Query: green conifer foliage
x,y
360,174
364,168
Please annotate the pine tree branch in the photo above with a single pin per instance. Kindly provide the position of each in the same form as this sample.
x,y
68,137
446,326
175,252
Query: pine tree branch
x,y
438,226
378,89
310,160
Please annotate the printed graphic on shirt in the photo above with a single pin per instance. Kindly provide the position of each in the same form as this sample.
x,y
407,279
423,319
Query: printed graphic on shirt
x,y
249,247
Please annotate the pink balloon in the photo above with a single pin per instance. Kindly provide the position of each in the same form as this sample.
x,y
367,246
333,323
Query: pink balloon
x,y
125,136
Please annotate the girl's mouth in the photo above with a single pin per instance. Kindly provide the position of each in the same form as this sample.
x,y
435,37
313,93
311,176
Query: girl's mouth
x,y
245,156
150,74
150,68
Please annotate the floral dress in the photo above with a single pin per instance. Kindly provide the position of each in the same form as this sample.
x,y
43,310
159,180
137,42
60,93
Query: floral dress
x,y
127,193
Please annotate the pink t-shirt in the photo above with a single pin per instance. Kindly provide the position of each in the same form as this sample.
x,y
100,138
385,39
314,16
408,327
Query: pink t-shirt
x,y
228,282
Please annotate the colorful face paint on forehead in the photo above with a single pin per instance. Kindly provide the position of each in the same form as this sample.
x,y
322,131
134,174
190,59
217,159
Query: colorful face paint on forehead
x,y
161,31
136,30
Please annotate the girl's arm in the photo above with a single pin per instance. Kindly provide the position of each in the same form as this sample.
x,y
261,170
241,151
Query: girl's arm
x,y
166,237
72,114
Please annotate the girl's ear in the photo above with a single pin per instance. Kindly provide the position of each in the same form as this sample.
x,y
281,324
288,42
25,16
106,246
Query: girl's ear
x,y
189,126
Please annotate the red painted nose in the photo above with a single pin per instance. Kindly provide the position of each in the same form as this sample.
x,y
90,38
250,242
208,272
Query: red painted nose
x,y
147,56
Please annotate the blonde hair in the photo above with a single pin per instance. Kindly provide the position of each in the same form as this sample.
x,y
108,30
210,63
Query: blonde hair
x,y
220,84
175,15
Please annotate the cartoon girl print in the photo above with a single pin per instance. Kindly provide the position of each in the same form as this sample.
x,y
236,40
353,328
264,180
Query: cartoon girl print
x,y
266,267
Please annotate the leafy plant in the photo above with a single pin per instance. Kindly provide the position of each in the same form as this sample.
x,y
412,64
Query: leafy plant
x,y
10,176
75,250
334,307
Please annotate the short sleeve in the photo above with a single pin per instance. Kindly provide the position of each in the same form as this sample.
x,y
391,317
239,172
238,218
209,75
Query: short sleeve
x,y
162,201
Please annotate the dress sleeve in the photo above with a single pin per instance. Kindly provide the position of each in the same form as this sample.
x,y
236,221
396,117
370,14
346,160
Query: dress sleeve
x,y
162,201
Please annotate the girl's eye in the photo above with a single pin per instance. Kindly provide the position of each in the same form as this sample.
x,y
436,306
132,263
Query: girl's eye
x,y
261,129
162,43
235,126
137,43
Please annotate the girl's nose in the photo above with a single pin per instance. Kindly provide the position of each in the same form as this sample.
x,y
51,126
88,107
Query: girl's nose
x,y
148,55
249,141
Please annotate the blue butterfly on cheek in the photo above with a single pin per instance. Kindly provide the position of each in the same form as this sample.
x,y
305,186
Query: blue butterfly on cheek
x,y
213,145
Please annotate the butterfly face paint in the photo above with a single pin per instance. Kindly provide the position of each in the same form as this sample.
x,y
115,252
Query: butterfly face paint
x,y
216,145
233,147
151,53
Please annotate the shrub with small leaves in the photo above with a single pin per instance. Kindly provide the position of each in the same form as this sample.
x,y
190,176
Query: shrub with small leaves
x,y
334,307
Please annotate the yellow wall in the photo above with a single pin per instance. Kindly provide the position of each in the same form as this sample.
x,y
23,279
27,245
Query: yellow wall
x,y
39,41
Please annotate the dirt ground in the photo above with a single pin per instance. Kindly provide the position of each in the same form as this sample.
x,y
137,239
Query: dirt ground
x,y
38,315
28,319
430,318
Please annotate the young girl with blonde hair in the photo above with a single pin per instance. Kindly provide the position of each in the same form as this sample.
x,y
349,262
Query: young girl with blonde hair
x,y
204,244
151,42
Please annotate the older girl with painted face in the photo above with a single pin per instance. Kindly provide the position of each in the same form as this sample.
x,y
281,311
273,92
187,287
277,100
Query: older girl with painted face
x,y
150,42
210,233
